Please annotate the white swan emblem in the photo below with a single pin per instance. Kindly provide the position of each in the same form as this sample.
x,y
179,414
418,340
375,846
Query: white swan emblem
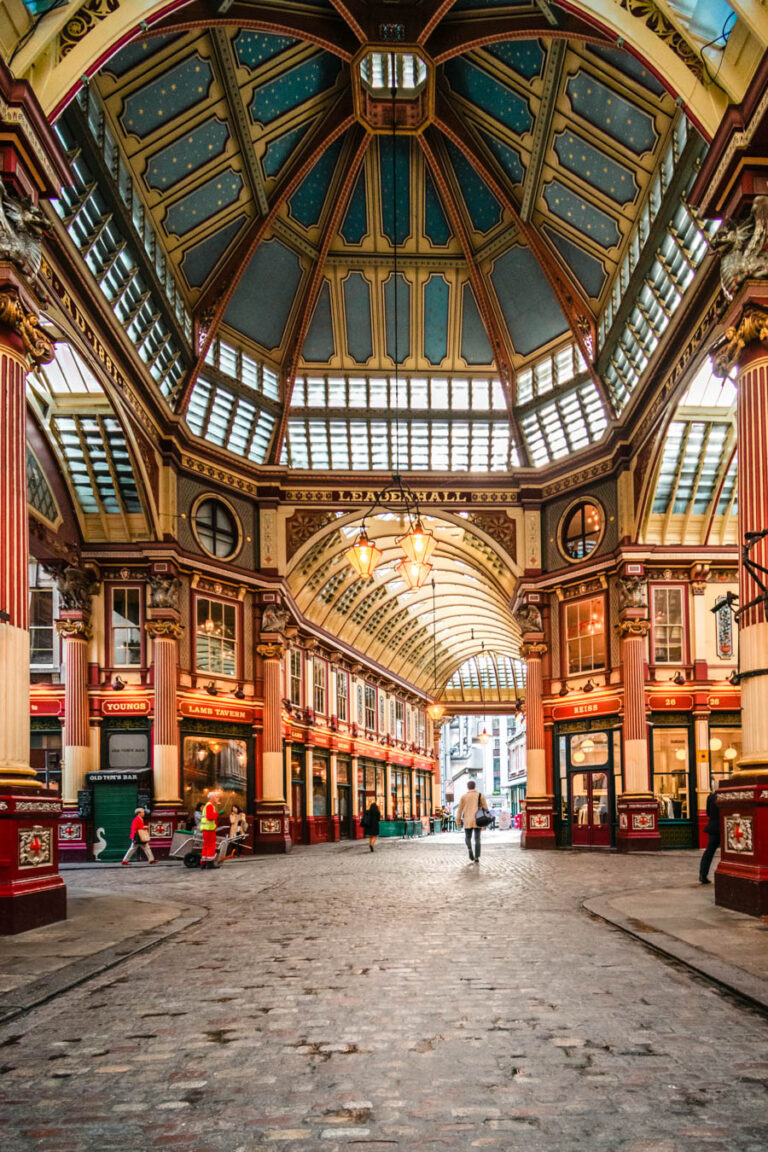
x,y
99,844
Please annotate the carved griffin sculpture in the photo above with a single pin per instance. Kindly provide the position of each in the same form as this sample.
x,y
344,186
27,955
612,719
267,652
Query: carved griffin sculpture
x,y
22,227
76,587
742,248
164,592
632,592
528,617
274,619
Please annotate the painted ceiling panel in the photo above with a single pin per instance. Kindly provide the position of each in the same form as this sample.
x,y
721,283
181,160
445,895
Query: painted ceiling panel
x,y
279,149
295,87
437,295
320,345
262,300
397,307
604,108
307,202
480,88
525,57
166,97
399,179
355,224
357,306
206,201
137,53
484,209
530,309
436,226
589,271
475,346
200,260
172,164
595,167
255,48
628,64
583,215
509,158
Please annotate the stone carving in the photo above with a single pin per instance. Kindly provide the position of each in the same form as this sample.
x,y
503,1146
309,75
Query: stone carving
x,y
499,527
632,592
83,22
741,245
751,329
528,617
164,592
738,834
270,651
628,628
38,345
76,587
274,619
302,525
35,847
74,629
22,227
164,629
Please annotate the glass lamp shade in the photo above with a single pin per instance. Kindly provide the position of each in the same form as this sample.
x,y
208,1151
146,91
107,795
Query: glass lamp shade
x,y
209,627
414,573
363,555
730,753
680,754
436,711
417,544
578,757
715,744
482,737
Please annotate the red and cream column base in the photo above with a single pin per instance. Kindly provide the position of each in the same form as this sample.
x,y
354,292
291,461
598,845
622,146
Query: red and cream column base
x,y
538,823
77,759
636,807
272,830
741,878
165,630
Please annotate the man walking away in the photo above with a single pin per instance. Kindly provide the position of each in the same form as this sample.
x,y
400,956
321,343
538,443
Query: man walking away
x,y
712,829
465,815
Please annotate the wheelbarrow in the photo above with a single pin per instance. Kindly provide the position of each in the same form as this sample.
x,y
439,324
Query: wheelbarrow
x,y
188,847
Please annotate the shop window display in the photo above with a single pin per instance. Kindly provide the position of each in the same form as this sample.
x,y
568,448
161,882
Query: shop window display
x,y
210,762
319,787
671,764
724,753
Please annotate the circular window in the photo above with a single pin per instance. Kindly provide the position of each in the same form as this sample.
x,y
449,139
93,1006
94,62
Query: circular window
x,y
216,528
582,529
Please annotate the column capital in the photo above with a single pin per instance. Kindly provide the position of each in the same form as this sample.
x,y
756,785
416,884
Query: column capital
x,y
271,651
14,314
533,649
164,629
626,629
750,328
74,629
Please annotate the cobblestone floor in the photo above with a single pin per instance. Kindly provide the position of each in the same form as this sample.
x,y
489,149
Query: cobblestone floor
x,y
338,1000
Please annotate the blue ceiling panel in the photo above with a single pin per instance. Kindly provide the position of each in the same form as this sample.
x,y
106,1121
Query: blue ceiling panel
x,y
262,300
509,158
159,102
136,53
605,109
397,299
187,154
401,176
475,346
294,87
437,295
202,203
319,345
279,149
357,305
531,311
306,204
523,56
462,4
597,169
566,204
490,94
628,64
436,226
355,225
483,207
254,48
587,269
200,260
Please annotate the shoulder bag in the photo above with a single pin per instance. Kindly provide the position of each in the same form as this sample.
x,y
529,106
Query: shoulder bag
x,y
482,816
143,835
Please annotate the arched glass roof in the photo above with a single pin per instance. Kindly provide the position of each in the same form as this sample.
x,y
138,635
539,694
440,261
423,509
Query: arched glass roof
x,y
488,677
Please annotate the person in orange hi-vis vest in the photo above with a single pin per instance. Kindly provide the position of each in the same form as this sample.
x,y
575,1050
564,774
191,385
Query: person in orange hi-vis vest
x,y
208,823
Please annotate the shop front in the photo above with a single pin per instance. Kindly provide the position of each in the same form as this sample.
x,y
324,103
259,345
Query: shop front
x,y
371,786
298,819
319,819
217,754
673,767
344,796
587,772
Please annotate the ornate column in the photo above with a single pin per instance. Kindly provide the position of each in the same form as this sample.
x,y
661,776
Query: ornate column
x,y
637,807
272,827
334,818
538,823
32,167
165,630
76,588
701,741
741,879
354,765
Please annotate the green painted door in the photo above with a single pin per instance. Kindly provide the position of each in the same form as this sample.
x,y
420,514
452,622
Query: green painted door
x,y
114,806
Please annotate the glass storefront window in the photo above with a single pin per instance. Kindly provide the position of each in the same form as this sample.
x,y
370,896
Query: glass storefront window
x,y
343,771
585,635
319,786
215,637
589,749
725,750
213,762
671,765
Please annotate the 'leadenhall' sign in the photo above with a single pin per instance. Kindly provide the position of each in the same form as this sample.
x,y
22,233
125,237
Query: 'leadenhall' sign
x,y
201,709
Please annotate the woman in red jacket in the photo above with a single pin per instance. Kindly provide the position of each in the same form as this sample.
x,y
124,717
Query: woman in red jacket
x,y
137,841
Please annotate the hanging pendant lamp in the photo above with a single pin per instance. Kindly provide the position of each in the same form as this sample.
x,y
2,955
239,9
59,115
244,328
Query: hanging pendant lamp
x,y
418,544
363,555
414,572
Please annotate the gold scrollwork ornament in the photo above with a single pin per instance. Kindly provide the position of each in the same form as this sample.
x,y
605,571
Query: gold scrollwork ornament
x,y
38,345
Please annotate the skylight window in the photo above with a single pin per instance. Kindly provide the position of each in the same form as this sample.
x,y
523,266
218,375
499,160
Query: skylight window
x,y
382,71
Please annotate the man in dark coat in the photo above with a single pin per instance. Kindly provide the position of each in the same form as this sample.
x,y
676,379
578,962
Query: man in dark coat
x,y
712,829
371,823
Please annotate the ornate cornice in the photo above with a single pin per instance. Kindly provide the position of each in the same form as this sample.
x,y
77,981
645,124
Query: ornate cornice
x,y
629,628
270,651
164,629
37,344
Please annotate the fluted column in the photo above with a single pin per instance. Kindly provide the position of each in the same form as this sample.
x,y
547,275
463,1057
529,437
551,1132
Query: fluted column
x,y
272,832
538,819
638,810
165,634
75,632
741,878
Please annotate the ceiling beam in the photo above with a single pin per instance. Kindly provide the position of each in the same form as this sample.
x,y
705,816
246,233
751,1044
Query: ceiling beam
x,y
356,15
433,12
573,303
553,72
501,352
456,35
215,298
350,161
333,35
238,117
